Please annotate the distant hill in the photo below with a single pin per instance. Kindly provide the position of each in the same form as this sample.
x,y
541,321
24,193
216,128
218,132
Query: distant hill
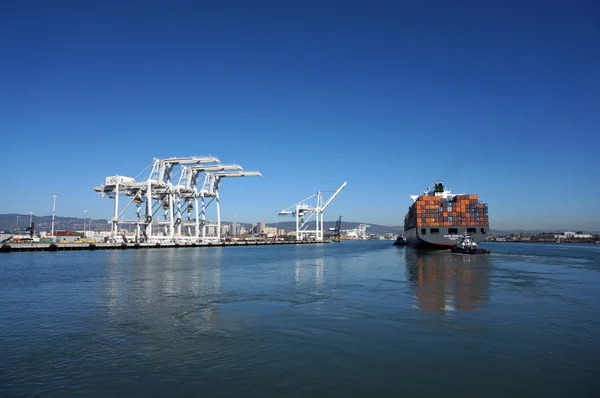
x,y
537,231
372,229
8,222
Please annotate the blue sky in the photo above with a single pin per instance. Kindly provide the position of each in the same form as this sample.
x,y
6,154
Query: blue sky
x,y
495,98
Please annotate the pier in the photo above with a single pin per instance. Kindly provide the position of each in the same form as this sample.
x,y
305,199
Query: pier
x,y
53,247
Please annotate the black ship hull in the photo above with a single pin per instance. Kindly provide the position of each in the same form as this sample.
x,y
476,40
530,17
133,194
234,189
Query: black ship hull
x,y
400,241
442,237
461,250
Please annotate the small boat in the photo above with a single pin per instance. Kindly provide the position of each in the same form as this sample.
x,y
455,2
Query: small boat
x,y
400,241
468,246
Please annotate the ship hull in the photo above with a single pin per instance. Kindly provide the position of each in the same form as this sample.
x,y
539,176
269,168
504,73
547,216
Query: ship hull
x,y
400,241
444,239
460,250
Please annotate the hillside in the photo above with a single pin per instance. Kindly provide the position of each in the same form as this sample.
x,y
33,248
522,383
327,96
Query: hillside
x,y
373,229
8,222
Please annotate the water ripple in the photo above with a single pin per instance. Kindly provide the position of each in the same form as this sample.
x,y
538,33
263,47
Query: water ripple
x,y
350,319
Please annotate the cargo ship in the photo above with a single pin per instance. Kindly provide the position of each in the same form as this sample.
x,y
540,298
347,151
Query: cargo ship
x,y
438,219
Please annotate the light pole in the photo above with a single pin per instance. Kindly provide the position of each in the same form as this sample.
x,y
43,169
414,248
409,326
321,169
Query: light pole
x,y
84,217
17,230
53,209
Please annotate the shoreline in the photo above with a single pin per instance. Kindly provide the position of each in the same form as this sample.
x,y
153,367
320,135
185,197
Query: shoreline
x,y
53,247
541,241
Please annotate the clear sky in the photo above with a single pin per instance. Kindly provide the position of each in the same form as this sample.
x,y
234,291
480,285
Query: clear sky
x,y
498,98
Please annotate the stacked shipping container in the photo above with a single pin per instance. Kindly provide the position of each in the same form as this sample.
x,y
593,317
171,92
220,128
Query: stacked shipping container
x,y
462,210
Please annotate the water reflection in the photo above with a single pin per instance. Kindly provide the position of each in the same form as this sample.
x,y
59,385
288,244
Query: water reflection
x,y
447,282
319,271
304,269
143,277
113,285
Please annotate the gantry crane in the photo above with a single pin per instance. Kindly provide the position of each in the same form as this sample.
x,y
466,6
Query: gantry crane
x,y
335,232
304,214
199,178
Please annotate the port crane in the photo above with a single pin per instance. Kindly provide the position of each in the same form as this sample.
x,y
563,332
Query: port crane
x,y
335,232
305,213
176,185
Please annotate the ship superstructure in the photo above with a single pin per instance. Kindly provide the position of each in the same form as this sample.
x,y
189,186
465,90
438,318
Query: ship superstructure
x,y
438,218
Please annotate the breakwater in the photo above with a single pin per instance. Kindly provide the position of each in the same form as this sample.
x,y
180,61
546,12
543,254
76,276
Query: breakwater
x,y
53,247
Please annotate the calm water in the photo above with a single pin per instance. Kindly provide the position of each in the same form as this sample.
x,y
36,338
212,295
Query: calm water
x,y
341,319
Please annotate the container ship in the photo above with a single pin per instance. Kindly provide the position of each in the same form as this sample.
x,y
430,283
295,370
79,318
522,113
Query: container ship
x,y
438,218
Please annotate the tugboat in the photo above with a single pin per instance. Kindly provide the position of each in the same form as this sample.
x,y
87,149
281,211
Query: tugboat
x,y
400,241
467,246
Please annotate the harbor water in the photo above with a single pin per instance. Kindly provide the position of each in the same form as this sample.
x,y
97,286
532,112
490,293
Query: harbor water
x,y
350,319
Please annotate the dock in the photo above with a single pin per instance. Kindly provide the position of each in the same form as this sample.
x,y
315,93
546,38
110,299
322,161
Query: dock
x,y
53,247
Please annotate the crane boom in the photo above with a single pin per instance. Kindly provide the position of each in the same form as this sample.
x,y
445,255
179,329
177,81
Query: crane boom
x,y
239,174
332,197
305,213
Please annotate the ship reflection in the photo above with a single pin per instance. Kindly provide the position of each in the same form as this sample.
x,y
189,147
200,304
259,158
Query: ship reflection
x,y
447,282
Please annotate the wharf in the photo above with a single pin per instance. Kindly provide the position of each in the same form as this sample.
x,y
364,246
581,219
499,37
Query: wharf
x,y
53,247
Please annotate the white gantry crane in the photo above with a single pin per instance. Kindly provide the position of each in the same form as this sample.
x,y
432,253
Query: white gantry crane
x,y
178,186
360,232
304,215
